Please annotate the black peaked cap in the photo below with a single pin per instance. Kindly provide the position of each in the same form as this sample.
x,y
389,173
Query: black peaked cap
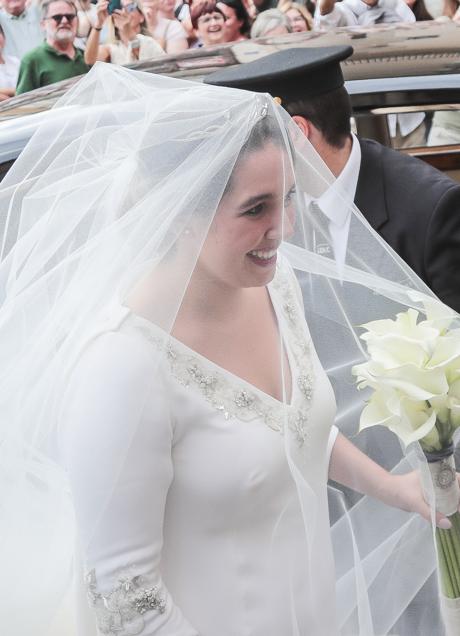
x,y
291,74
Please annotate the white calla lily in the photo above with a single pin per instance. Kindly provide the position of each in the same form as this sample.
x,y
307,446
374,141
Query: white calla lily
x,y
446,353
393,350
417,384
410,420
438,314
414,369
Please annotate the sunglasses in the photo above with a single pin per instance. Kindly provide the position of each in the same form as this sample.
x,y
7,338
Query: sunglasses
x,y
132,6
58,18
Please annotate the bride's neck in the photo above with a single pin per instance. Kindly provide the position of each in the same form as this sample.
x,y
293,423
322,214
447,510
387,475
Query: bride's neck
x,y
211,301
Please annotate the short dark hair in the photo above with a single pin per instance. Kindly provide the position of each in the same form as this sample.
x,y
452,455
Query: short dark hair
x,y
46,4
330,113
203,8
241,14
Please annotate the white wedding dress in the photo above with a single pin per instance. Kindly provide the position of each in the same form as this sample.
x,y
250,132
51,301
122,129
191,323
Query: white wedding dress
x,y
206,508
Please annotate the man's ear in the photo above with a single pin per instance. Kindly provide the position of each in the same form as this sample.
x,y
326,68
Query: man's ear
x,y
303,124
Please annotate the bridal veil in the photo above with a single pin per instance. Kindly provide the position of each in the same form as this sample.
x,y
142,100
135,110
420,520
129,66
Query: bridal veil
x,y
102,195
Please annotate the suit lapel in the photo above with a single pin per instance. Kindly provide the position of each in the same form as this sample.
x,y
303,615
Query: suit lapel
x,y
370,189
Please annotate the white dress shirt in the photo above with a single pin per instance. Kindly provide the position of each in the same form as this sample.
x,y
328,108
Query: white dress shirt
x,y
337,201
22,33
9,71
354,12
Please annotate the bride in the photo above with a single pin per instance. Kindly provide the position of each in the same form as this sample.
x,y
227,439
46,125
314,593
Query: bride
x,y
169,426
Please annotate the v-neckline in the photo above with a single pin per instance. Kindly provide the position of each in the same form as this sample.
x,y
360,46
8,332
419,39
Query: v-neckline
x,y
236,379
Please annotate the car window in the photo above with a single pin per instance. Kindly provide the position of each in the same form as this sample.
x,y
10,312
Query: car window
x,y
424,127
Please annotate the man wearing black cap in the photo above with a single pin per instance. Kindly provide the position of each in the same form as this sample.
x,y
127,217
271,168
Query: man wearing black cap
x,y
413,206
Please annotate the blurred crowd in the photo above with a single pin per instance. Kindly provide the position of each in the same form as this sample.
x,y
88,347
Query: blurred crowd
x,y
44,41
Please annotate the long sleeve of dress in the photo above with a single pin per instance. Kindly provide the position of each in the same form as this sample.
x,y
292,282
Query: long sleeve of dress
x,y
116,444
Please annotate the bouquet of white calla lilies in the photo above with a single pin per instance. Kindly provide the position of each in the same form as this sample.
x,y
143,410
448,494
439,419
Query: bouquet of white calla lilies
x,y
414,371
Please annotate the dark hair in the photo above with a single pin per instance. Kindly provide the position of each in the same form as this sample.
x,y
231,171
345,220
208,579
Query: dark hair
x,y
241,14
330,113
203,8
46,4
265,131
420,11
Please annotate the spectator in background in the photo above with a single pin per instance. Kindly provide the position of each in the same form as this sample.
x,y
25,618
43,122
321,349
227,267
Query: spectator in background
x,y
299,17
9,69
209,22
451,10
264,5
21,26
168,32
237,21
166,9
270,22
130,40
419,10
57,58
182,14
363,12
87,16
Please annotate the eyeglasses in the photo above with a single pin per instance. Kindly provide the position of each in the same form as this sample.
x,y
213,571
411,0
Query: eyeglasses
x,y
58,18
212,17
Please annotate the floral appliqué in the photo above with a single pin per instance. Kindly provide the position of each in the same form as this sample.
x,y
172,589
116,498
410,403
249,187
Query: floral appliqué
x,y
121,612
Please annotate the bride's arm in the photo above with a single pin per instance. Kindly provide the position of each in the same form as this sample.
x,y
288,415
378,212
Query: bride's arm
x,y
117,438
352,468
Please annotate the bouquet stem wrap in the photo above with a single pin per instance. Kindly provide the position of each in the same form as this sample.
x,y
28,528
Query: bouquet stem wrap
x,y
443,477
442,472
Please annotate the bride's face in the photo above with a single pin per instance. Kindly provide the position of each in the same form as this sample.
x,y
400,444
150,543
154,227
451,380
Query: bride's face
x,y
253,217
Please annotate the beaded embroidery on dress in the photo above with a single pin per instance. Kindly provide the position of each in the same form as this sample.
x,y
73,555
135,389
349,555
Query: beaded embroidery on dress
x,y
121,612
231,395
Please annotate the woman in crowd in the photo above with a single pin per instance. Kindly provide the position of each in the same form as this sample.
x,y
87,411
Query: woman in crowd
x,y
237,21
451,10
299,17
130,40
9,71
270,22
167,32
158,364
208,21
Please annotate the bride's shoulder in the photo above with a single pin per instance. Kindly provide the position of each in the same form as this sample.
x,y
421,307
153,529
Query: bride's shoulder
x,y
114,354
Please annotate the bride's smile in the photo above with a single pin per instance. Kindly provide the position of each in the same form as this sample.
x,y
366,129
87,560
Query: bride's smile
x,y
254,215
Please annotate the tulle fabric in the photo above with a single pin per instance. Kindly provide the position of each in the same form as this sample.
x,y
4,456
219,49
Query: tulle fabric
x,y
92,211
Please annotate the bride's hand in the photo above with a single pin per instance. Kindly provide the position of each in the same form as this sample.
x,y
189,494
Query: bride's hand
x,y
406,493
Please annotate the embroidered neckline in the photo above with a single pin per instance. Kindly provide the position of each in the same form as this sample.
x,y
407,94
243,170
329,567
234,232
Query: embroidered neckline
x,y
235,397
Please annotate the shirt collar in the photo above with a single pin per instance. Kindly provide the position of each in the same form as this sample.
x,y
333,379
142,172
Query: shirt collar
x,y
54,51
21,16
336,202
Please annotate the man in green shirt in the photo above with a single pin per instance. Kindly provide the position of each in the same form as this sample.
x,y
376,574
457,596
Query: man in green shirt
x,y
57,58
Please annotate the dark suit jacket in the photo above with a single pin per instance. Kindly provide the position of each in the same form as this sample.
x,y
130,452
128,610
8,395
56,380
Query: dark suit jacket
x,y
416,209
